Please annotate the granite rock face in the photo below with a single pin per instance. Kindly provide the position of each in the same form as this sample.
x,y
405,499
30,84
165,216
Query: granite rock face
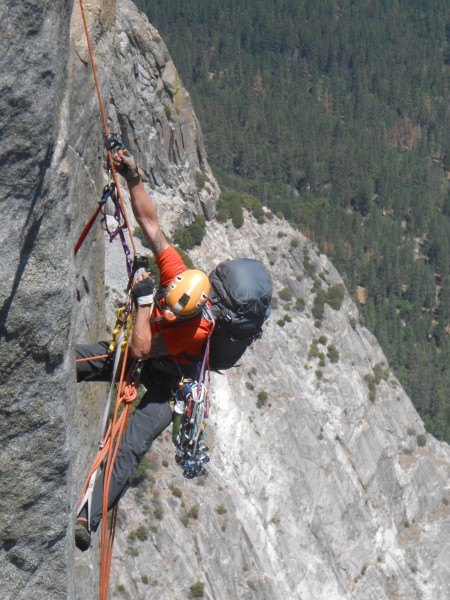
x,y
35,298
153,111
328,488
323,482
350,491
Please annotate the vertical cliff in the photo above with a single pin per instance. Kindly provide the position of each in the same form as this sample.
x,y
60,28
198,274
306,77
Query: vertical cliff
x,y
323,482
37,295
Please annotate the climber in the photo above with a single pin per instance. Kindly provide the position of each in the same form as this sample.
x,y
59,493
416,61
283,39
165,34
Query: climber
x,y
170,341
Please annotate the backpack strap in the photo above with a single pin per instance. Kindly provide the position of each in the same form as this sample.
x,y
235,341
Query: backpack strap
x,y
157,297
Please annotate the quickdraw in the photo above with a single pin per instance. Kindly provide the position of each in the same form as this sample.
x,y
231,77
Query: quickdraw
x,y
190,411
112,141
123,321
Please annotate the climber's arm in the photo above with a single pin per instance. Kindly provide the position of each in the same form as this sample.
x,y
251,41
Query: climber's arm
x,y
146,216
142,206
141,338
143,344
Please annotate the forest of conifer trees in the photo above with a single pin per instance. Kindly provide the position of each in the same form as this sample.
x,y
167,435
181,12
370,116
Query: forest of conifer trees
x,y
336,114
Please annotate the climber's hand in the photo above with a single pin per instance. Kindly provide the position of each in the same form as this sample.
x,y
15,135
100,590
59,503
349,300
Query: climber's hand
x,y
143,288
125,164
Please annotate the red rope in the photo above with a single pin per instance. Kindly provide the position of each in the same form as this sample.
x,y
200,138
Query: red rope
x,y
86,230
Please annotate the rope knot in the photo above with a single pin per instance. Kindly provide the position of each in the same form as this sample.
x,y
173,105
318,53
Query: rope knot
x,y
129,394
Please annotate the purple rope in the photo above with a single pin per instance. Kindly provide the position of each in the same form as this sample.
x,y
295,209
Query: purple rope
x,y
206,354
119,217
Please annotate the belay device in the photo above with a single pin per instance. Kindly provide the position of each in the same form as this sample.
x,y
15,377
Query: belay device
x,y
190,412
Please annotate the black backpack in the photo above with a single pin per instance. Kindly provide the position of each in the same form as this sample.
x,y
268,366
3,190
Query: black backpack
x,y
241,291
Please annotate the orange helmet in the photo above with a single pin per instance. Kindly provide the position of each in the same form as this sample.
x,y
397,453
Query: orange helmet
x,y
187,293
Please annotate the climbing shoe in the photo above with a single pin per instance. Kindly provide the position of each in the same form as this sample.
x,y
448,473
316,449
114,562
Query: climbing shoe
x,y
82,535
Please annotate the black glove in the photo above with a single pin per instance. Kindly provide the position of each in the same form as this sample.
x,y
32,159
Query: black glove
x,y
143,291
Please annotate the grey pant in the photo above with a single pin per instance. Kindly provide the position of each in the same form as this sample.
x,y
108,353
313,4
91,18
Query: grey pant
x,y
148,421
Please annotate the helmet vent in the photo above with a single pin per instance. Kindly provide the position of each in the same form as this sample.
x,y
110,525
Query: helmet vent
x,y
184,300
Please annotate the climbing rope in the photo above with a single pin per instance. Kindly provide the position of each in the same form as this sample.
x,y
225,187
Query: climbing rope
x,y
108,137
109,445
127,394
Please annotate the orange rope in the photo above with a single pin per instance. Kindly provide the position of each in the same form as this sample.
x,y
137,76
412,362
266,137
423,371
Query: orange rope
x,y
105,128
127,393
91,358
